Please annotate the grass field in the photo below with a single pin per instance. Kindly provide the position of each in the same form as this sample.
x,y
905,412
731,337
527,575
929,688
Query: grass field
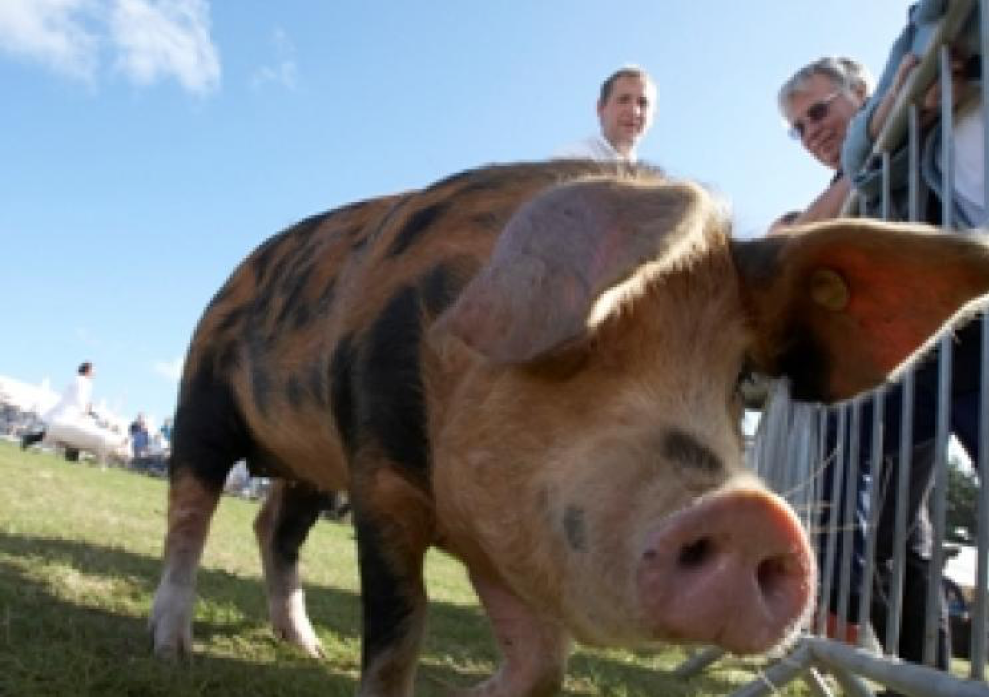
x,y
79,562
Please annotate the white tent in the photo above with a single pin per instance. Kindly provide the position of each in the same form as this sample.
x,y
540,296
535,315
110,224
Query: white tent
x,y
27,397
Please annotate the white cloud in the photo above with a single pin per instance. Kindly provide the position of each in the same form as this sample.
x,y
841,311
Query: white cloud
x,y
284,71
147,40
158,38
170,369
54,32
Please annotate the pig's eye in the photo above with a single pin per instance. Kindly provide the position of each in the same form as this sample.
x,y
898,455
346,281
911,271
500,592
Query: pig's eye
x,y
745,376
751,386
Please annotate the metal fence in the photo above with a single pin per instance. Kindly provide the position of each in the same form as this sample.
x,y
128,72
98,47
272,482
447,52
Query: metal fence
x,y
791,452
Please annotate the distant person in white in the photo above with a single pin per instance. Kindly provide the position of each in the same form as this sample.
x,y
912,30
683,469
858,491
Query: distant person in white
x,y
73,405
625,109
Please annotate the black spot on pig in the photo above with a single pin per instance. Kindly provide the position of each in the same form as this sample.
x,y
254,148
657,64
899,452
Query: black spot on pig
x,y
325,299
342,390
386,592
294,392
575,527
263,257
418,223
231,319
301,506
227,358
686,450
260,378
390,405
209,431
441,285
294,305
488,221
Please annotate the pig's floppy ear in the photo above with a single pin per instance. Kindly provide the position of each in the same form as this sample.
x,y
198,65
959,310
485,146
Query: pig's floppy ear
x,y
840,306
558,253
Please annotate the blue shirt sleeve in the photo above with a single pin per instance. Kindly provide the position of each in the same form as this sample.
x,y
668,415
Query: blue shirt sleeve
x,y
858,143
922,20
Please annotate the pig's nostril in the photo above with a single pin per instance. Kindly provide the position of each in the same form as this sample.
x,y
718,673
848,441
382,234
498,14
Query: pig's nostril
x,y
695,554
773,573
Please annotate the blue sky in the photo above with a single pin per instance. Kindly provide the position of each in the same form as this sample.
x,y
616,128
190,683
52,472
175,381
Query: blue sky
x,y
146,146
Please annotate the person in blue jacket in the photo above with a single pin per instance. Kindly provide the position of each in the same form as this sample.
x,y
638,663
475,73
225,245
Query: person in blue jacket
x,y
865,169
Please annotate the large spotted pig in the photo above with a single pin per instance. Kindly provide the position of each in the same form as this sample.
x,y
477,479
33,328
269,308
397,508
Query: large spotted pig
x,y
535,367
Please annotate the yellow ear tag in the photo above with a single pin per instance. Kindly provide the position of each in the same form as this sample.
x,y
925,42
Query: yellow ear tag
x,y
829,290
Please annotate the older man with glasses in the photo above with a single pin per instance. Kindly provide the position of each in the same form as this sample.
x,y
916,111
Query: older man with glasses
x,y
818,102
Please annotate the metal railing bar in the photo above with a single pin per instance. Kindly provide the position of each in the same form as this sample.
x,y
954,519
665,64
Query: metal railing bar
x,y
815,683
848,518
934,592
895,597
781,673
980,621
838,472
909,678
977,655
876,474
851,684
700,660
913,158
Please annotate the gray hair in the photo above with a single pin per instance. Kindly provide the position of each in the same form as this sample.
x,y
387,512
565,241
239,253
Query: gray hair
x,y
844,73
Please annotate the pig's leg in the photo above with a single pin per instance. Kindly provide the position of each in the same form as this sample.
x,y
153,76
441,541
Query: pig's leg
x,y
534,649
209,439
191,504
394,523
281,526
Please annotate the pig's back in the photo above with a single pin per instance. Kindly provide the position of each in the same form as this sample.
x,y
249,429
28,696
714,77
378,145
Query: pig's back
x,y
316,336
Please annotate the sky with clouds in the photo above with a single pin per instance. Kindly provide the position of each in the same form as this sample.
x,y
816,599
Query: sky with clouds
x,y
143,41
149,145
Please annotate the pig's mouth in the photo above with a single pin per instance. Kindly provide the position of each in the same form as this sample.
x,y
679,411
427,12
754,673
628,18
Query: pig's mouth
x,y
733,570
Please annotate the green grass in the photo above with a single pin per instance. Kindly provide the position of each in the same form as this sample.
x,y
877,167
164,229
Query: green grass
x,y
79,563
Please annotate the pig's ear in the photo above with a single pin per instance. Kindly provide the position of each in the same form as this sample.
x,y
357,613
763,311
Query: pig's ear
x,y
841,305
556,256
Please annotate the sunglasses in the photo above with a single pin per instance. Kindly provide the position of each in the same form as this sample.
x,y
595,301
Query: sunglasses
x,y
814,114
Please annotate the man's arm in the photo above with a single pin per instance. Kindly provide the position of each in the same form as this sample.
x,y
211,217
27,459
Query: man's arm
x,y
828,204
824,207
868,122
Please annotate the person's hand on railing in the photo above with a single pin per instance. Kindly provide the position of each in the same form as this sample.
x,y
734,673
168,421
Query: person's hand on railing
x,y
930,107
879,116
930,104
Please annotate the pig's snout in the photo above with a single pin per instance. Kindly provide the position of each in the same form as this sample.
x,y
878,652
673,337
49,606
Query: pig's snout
x,y
734,570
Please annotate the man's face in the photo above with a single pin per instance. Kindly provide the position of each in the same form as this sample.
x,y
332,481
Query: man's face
x,y
822,137
627,114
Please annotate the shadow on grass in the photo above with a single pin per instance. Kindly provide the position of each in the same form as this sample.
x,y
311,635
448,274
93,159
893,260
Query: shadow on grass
x,y
53,646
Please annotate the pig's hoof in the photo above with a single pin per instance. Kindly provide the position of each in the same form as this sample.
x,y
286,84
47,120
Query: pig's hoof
x,y
310,645
291,624
171,625
168,643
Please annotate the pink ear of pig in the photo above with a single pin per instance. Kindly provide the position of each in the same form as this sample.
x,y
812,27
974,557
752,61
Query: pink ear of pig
x,y
558,253
840,306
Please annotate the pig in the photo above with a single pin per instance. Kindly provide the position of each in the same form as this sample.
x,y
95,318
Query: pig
x,y
535,367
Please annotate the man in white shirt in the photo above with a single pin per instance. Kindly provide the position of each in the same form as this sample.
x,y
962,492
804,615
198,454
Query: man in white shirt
x,y
625,109
74,403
